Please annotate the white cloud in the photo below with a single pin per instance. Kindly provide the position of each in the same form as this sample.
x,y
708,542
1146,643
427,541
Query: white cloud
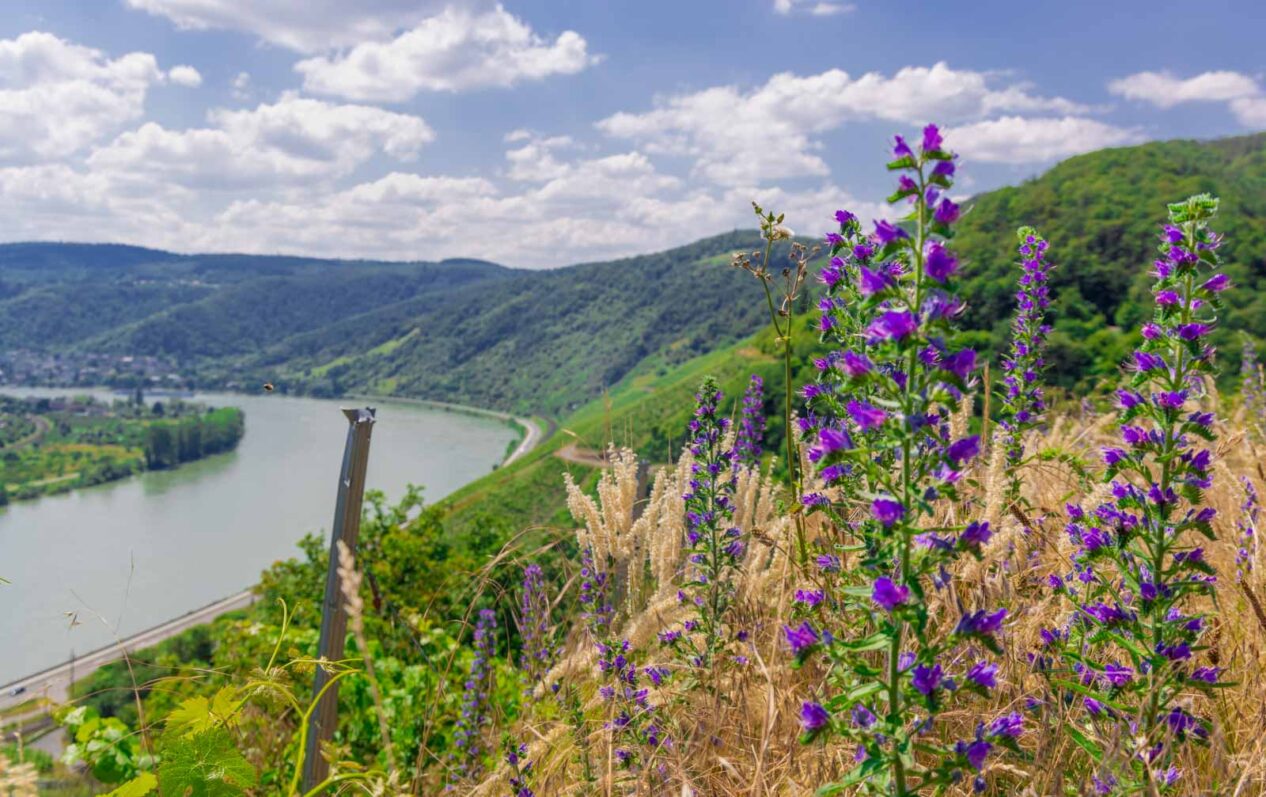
x,y
1243,95
815,8
1016,139
184,76
57,97
767,133
455,50
242,88
1250,111
1164,90
309,26
295,139
595,208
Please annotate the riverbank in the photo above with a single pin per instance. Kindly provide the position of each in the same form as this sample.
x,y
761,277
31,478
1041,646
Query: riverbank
x,y
531,430
46,689
160,543
83,441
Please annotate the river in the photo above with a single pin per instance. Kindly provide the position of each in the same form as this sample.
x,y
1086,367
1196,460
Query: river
x,y
130,554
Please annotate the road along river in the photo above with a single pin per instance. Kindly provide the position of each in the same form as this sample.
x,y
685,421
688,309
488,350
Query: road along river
x,y
95,565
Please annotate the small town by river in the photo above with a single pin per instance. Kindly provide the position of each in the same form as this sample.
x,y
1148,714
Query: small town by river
x,y
101,563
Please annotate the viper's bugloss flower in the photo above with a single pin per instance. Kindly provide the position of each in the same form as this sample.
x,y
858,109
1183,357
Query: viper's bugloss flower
x,y
984,674
926,680
887,511
939,263
802,638
865,416
886,233
888,595
534,627
889,311
468,738
813,717
1145,567
892,325
749,443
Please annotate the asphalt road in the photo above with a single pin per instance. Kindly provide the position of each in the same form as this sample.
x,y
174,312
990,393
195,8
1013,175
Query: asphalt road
x,y
53,684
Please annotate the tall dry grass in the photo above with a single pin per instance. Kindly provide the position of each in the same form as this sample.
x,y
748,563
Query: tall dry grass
x,y
747,743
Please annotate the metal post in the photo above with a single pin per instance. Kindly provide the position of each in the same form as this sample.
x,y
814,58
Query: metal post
x,y
351,492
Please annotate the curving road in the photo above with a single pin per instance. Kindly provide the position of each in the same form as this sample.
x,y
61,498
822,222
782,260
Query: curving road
x,y
53,684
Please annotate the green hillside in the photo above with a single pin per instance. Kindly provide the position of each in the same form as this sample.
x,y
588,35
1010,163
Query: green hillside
x,y
1100,211
549,341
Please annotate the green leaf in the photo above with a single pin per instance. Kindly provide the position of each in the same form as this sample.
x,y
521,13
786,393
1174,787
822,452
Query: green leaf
x,y
1084,742
138,786
204,765
872,642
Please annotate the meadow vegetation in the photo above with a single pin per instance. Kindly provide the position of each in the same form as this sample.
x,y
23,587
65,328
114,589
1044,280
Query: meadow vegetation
x,y
863,562
53,445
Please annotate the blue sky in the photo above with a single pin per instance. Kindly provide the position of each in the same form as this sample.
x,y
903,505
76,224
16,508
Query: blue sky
x,y
545,132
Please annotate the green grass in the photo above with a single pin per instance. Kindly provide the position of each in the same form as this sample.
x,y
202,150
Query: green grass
x,y
647,410
380,350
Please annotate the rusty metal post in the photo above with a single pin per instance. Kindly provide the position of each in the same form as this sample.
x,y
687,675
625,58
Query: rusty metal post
x,y
351,494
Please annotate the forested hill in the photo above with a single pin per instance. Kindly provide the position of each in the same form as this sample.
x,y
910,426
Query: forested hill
x,y
463,331
1101,213
540,341
546,341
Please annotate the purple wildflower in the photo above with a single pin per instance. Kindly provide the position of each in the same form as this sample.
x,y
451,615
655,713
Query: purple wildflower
x,y
888,595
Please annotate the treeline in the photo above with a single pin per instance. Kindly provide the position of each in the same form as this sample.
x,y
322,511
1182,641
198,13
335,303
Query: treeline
x,y
169,443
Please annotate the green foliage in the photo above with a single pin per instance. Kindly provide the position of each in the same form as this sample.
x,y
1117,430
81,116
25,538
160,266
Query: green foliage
x,y
53,445
105,745
1098,211
41,760
204,764
170,443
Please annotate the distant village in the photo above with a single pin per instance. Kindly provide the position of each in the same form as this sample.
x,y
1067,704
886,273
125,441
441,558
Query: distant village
x,y
86,369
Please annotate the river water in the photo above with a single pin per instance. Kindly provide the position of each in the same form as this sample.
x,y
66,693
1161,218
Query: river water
x,y
131,554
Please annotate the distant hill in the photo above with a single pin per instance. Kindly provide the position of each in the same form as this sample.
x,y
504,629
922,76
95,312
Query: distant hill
x,y
549,341
1101,213
460,330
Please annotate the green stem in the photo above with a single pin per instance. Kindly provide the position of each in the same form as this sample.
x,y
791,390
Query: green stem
x,y
794,477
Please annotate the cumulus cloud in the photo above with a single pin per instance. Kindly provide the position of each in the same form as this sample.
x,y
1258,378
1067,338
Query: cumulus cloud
x,y
1016,139
309,26
769,132
596,208
296,139
184,76
1242,94
242,88
455,50
57,97
815,8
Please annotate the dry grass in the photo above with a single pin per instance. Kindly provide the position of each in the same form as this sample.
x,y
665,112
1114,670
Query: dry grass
x,y
746,744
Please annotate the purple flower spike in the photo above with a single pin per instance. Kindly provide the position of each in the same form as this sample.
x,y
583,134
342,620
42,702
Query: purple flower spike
x,y
983,674
931,139
940,264
888,595
813,717
926,680
887,511
801,639
886,232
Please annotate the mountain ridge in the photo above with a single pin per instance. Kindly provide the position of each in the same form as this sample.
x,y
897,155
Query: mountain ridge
x,y
548,340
